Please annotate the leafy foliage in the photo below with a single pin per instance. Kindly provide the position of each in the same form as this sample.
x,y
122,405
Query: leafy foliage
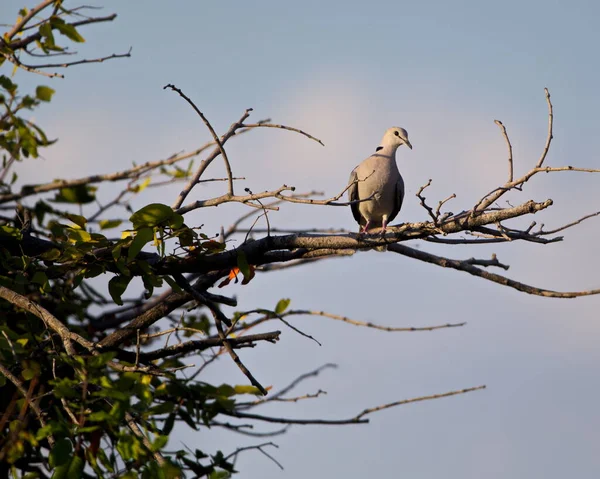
x,y
87,410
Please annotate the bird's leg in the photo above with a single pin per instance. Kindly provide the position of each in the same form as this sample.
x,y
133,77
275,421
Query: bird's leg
x,y
383,225
365,227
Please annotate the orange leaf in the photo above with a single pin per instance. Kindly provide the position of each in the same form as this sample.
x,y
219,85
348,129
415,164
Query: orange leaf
x,y
232,275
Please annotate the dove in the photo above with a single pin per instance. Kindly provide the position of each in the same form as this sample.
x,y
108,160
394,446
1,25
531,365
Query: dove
x,y
379,179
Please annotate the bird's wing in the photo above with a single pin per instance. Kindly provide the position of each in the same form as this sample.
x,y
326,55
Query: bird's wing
x,y
398,198
353,195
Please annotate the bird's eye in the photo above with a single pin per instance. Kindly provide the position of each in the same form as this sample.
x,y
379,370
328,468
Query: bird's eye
x,y
396,133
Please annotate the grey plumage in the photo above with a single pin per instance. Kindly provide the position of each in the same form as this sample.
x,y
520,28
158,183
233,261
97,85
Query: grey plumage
x,y
378,178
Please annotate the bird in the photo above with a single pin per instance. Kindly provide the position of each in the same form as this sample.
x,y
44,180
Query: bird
x,y
379,179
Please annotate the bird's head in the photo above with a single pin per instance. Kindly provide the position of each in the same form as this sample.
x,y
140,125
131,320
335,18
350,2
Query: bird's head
x,y
396,136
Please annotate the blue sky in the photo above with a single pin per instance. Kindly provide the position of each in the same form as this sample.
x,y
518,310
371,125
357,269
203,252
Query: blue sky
x,y
345,72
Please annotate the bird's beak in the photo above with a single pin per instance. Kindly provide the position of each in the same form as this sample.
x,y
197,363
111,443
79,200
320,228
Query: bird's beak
x,y
407,143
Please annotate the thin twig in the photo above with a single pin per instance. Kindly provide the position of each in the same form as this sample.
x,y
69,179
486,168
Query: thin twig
x,y
259,447
550,134
358,419
212,132
138,432
283,127
509,146
207,161
236,358
19,385
418,399
369,324
80,62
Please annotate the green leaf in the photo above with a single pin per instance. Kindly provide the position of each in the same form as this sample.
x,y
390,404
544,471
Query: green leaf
x,y
75,470
7,84
72,469
68,31
242,263
61,452
186,236
78,236
142,237
99,416
243,389
39,277
171,282
219,475
51,255
79,220
7,230
93,270
151,215
107,224
225,390
176,221
282,305
116,288
116,252
160,442
80,194
44,93
46,33
28,374
142,186
101,359
65,388
187,419
169,423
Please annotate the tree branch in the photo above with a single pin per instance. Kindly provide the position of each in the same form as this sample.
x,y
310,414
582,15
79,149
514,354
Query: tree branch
x,y
212,132
473,270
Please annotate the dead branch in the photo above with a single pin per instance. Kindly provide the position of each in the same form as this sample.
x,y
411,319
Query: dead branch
x,y
358,419
212,132
197,346
509,146
283,127
369,324
495,278
77,62
236,358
